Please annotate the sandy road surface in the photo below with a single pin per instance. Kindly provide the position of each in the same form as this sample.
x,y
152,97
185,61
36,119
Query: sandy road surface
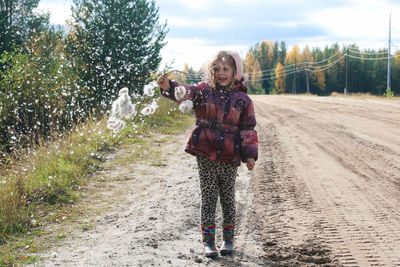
x,y
325,192
331,175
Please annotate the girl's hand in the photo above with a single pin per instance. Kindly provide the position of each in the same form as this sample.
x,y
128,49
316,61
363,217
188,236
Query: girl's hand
x,y
250,163
163,82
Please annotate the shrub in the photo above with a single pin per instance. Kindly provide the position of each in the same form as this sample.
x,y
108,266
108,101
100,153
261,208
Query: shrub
x,y
38,93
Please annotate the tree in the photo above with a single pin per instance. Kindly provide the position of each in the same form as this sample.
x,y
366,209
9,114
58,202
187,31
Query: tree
x,y
275,59
333,81
395,67
256,76
18,22
115,44
249,61
307,57
38,93
318,79
280,79
252,67
294,60
282,52
265,57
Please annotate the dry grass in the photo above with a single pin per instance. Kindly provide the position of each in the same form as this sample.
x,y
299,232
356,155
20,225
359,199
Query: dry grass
x,y
364,95
41,186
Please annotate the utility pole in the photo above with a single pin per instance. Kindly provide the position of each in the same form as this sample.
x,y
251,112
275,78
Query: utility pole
x,y
389,55
294,77
347,63
308,85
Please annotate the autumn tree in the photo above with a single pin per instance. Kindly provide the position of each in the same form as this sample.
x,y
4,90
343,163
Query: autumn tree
x,y
280,79
329,70
249,61
317,77
115,44
253,69
256,81
306,55
294,60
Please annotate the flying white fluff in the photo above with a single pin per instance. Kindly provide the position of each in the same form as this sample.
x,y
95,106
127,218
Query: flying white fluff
x,y
186,106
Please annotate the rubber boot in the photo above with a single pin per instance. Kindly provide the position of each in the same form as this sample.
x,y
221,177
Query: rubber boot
x,y
228,230
208,236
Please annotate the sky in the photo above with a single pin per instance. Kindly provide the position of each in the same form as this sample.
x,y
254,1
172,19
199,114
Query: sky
x,y
198,29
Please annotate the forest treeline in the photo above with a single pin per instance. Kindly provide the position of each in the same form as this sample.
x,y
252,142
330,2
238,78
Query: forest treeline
x,y
51,78
348,69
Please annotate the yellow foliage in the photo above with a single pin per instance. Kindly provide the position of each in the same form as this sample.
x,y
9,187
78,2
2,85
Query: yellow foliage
x,y
280,78
307,57
294,56
319,77
248,65
256,74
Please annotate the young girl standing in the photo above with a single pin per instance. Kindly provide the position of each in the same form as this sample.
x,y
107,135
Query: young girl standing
x,y
224,137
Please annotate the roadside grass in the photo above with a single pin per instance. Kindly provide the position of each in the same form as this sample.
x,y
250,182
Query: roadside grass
x,y
43,185
364,95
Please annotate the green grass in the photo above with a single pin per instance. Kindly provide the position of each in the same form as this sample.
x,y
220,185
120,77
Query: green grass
x,y
41,186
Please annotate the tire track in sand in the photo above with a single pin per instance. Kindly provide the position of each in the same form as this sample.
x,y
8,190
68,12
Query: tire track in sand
x,y
352,180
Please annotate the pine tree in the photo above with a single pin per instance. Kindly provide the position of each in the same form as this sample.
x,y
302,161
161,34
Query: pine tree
x,y
333,82
115,44
294,59
282,52
396,73
18,22
265,57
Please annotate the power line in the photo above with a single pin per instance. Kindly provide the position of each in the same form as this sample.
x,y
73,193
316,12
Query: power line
x,y
305,66
368,53
301,63
314,69
371,58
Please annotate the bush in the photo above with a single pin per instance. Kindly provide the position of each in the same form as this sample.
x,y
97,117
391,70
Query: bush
x,y
389,93
38,93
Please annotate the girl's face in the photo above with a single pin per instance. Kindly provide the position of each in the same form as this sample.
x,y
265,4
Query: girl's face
x,y
223,73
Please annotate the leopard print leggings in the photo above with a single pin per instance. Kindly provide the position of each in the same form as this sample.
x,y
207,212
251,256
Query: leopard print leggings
x,y
217,179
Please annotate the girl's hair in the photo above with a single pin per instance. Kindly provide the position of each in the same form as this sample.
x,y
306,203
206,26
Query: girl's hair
x,y
222,56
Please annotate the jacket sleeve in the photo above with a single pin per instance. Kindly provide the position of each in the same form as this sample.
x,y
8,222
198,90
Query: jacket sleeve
x,y
193,92
248,136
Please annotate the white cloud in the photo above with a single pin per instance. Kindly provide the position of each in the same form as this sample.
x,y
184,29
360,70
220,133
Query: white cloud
x,y
365,23
199,5
194,52
208,23
59,12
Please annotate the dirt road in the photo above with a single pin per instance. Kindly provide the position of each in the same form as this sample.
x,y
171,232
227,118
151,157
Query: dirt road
x,y
325,192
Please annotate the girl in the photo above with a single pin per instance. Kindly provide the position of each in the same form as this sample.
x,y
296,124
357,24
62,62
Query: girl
x,y
224,137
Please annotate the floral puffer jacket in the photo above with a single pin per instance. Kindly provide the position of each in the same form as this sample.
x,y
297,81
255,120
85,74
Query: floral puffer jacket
x,y
225,122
